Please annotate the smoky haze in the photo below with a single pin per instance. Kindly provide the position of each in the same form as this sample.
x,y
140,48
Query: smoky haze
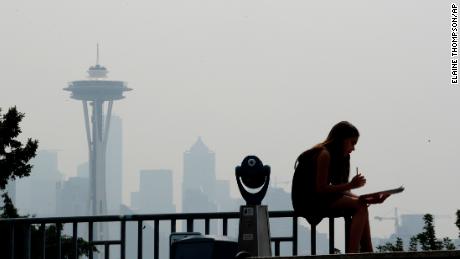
x,y
268,78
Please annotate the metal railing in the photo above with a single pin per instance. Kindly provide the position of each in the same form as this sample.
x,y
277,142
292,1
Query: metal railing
x,y
188,218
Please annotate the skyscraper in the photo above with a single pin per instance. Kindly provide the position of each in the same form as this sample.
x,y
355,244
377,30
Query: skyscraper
x,y
224,200
114,165
72,197
83,170
37,193
199,180
155,192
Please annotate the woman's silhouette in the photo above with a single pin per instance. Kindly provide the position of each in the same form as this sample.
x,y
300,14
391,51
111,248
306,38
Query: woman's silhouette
x,y
321,183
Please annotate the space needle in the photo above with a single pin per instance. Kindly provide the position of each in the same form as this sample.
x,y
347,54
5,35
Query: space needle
x,y
97,91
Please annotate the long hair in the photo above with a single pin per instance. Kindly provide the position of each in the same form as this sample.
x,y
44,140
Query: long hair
x,y
339,169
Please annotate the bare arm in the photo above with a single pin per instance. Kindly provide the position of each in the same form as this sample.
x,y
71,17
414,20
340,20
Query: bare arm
x,y
322,173
349,193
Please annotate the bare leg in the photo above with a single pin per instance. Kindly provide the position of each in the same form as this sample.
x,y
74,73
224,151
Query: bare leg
x,y
359,221
366,241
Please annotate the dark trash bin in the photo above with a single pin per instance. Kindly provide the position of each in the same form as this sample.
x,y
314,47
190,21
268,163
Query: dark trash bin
x,y
204,247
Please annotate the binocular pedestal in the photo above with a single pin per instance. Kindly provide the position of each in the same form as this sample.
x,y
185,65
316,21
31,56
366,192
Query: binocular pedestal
x,y
254,230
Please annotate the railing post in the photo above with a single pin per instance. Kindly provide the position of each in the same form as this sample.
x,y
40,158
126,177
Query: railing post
x,y
277,248
75,239
156,238
11,240
189,225
139,238
313,239
331,235
90,238
123,238
294,235
173,225
224,226
28,233
58,238
107,251
206,226
43,232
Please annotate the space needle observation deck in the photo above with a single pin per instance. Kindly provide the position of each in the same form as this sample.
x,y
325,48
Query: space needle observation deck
x,y
97,91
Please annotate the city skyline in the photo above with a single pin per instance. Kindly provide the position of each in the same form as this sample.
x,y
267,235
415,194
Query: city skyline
x,y
267,78
155,196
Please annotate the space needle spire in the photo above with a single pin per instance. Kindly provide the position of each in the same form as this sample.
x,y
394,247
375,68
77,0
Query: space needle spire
x,y
100,94
97,54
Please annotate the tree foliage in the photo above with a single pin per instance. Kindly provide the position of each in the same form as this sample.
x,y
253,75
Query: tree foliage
x,y
448,244
390,247
52,238
457,223
8,209
413,244
51,234
14,164
14,155
425,240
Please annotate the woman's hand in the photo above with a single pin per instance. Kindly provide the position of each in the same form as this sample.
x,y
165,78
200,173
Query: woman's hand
x,y
381,197
375,199
357,181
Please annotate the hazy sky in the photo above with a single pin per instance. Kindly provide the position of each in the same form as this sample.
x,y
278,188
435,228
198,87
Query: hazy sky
x,y
260,77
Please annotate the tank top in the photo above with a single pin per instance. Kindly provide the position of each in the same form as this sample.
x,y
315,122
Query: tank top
x,y
305,198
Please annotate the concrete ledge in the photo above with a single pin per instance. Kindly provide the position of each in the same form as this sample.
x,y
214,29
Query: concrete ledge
x,y
394,255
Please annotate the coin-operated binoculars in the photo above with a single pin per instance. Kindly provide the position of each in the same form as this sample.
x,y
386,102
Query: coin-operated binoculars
x,y
254,231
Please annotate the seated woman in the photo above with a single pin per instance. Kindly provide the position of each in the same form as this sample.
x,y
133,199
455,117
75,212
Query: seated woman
x,y
320,184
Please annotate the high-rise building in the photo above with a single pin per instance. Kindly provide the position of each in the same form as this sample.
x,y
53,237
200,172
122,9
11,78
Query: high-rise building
x,y
83,170
155,192
411,225
406,226
36,194
199,180
224,200
114,166
72,198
